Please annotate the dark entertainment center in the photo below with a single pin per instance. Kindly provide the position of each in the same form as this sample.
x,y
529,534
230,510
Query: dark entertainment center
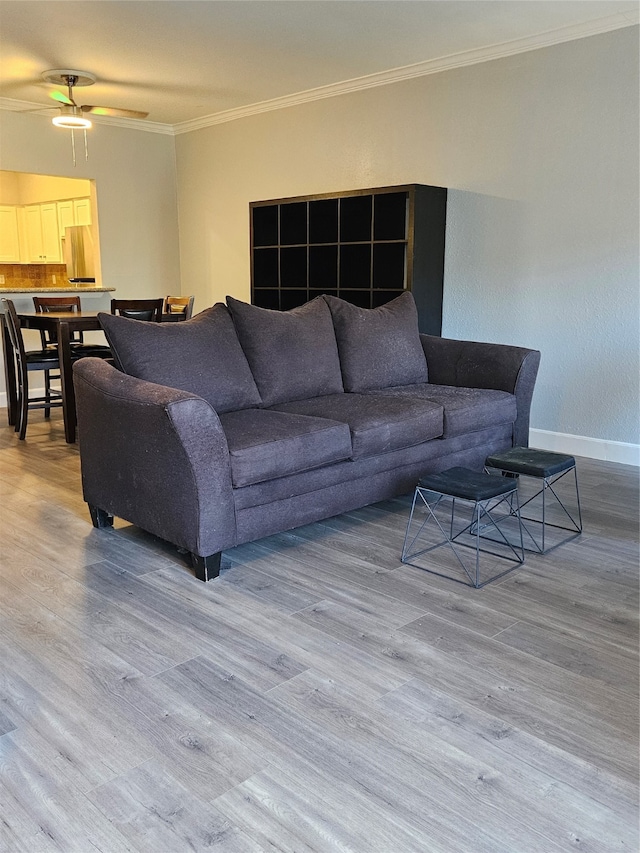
x,y
365,246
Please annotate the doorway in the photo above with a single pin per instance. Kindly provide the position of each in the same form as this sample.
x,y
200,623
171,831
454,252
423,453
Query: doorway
x,y
35,213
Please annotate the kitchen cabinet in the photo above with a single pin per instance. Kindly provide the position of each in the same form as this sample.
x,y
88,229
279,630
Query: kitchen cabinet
x,y
32,234
9,240
66,215
52,250
82,211
365,246
73,211
42,234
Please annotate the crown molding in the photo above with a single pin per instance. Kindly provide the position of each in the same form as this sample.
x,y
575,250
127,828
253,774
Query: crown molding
x,y
419,69
369,81
46,112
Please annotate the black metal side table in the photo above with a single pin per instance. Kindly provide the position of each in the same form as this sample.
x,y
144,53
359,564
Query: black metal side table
x,y
485,492
549,467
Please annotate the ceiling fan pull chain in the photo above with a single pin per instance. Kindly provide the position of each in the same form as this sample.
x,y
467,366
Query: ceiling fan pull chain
x,y
86,146
73,147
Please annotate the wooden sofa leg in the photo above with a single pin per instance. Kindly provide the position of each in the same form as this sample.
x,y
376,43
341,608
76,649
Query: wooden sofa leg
x,y
99,517
206,567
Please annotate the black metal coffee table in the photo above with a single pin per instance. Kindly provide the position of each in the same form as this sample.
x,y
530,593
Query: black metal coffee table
x,y
549,467
485,492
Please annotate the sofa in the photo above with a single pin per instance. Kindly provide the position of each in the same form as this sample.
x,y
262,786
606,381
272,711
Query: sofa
x,y
243,422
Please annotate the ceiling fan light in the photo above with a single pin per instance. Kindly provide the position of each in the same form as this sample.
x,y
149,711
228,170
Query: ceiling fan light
x,y
71,122
71,119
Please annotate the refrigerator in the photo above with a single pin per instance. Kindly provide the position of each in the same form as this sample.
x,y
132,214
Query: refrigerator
x,y
78,254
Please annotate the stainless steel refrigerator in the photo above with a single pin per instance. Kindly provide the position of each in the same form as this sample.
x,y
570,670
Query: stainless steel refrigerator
x,y
78,253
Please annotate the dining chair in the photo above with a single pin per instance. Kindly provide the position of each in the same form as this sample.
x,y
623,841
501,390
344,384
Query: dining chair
x,y
138,309
179,305
45,304
49,338
27,361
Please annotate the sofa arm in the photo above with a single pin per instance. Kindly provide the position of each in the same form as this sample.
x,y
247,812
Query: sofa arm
x,y
154,456
471,364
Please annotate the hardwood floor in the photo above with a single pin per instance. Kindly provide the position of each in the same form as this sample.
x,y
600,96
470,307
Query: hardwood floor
x,y
319,695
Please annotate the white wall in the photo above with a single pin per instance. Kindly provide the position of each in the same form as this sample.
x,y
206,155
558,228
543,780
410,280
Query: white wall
x,y
135,183
25,188
540,151
9,188
134,173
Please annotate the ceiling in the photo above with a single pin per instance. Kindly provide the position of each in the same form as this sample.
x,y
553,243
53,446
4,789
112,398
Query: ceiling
x,y
194,60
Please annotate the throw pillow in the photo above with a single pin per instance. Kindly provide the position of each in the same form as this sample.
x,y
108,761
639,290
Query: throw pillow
x,y
379,347
201,355
293,354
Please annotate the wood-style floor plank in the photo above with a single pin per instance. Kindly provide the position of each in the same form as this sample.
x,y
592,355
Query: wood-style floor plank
x,y
454,752
154,812
319,696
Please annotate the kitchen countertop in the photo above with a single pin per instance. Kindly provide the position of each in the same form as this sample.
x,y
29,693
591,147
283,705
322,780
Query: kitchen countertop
x,y
68,289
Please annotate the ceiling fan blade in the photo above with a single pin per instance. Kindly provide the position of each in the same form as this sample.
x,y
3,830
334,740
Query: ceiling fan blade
x,y
63,99
38,110
112,111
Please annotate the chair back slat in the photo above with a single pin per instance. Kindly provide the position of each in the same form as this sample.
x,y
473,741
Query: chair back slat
x,y
46,304
56,303
13,327
179,305
149,310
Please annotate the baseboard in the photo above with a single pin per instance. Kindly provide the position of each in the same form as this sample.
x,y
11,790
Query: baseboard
x,y
582,445
576,445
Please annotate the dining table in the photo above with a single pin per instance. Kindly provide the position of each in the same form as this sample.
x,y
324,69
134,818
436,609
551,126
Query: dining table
x,y
61,324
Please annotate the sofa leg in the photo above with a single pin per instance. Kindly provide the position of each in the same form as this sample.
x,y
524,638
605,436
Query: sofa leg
x,y
99,517
206,567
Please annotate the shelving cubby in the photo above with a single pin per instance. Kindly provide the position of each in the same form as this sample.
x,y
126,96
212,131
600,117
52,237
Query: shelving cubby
x,y
366,246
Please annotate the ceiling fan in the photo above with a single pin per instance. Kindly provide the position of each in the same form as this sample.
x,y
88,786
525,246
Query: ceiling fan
x,y
73,115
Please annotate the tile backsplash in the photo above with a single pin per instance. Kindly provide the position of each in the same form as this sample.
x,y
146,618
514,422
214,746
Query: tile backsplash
x,y
34,275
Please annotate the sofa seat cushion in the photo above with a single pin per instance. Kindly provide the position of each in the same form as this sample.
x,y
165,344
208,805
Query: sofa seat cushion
x,y
265,444
201,355
378,424
293,354
465,409
379,347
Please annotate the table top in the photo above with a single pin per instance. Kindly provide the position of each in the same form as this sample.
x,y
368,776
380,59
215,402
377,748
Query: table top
x,y
36,319
77,320
65,315
58,315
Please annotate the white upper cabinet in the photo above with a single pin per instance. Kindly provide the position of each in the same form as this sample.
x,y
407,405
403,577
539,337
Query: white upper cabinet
x,y
66,215
32,251
32,233
9,241
82,211
74,211
41,234
51,246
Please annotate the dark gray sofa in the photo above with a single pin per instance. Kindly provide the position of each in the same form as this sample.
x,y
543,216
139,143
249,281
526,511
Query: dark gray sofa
x,y
243,422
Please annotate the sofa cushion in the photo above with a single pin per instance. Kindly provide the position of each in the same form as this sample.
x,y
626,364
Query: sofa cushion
x,y
267,444
378,424
379,347
293,354
201,355
465,409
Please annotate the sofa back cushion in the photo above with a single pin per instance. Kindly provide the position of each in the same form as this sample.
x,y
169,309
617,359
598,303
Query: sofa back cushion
x,y
201,355
293,354
379,347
